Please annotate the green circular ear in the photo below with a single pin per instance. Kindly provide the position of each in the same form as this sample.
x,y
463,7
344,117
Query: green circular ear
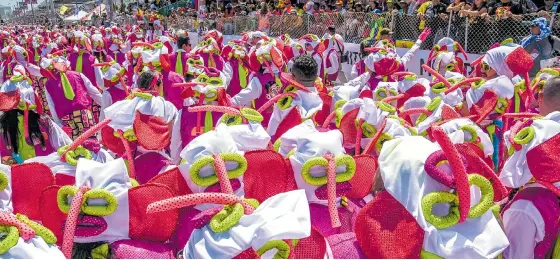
x,y
524,136
501,105
105,210
487,198
230,120
368,130
382,139
241,164
433,198
306,171
195,172
251,114
283,249
3,181
472,131
72,157
347,160
339,104
439,88
226,218
62,197
285,103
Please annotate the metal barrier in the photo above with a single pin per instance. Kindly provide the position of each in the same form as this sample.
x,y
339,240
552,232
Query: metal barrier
x,y
475,34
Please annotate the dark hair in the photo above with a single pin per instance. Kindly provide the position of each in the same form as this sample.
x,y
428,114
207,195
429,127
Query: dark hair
x,y
146,78
551,90
9,121
332,29
305,65
83,250
182,40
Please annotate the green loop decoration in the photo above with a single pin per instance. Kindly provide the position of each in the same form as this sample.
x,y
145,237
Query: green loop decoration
x,y
434,104
385,107
339,104
211,95
39,229
10,240
478,83
487,198
100,211
368,130
427,255
282,247
62,197
379,91
524,136
382,139
285,103
291,152
225,219
72,156
439,88
230,120
213,179
432,198
306,171
251,114
290,88
350,167
338,116
410,77
195,170
3,181
501,105
472,131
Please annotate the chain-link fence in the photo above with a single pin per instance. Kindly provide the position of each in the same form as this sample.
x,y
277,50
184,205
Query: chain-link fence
x,y
475,34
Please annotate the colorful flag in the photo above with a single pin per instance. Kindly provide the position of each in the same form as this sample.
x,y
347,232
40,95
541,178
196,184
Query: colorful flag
x,y
63,9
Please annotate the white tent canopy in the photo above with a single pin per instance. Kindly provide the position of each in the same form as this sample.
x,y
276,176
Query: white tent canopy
x,y
78,17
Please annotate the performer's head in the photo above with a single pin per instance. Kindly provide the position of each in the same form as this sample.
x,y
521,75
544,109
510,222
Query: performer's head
x,y
305,70
487,71
150,80
549,97
183,43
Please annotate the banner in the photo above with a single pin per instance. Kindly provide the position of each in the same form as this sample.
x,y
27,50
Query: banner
x,y
63,9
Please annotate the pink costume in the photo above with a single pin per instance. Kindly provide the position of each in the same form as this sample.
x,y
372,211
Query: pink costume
x,y
535,206
210,50
207,89
11,57
69,96
315,48
114,77
236,56
156,56
192,176
262,87
141,130
122,223
418,176
17,94
331,57
444,57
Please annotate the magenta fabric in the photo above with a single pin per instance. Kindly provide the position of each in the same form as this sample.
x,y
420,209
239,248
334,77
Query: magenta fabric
x,y
548,205
64,106
137,249
170,93
149,165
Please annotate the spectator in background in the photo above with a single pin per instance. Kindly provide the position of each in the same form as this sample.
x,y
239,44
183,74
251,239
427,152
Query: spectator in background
x,y
478,25
540,43
549,7
386,34
436,18
340,7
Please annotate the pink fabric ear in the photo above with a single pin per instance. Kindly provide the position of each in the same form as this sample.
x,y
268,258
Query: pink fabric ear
x,y
292,119
449,113
543,160
311,247
150,227
362,181
148,165
385,229
51,216
348,126
138,249
28,182
267,174
485,105
153,132
173,180
322,115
